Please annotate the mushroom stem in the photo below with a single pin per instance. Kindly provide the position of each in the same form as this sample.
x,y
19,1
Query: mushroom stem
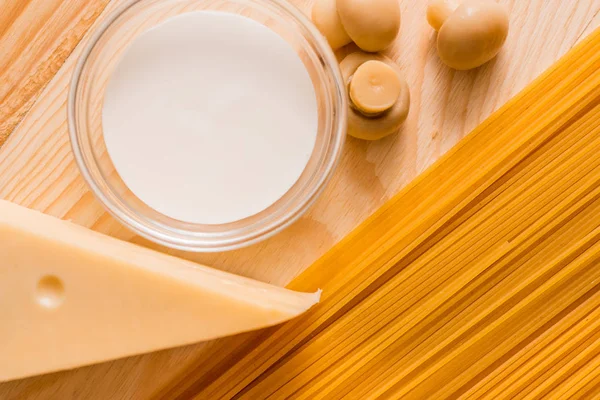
x,y
374,88
438,12
364,113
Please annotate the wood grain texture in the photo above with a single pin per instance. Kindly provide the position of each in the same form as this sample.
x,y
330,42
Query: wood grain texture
x,y
37,170
36,37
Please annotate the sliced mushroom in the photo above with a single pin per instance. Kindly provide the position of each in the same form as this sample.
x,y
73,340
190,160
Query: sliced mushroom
x,y
379,95
470,33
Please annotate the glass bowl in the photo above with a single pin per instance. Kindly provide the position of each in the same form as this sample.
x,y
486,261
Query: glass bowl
x,y
86,95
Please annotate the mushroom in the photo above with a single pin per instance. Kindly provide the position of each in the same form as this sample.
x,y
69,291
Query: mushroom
x,y
325,17
379,95
438,11
470,33
371,24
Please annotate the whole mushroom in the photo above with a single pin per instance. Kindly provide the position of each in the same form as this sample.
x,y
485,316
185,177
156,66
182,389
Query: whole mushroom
x,y
470,33
326,18
438,12
371,24
379,95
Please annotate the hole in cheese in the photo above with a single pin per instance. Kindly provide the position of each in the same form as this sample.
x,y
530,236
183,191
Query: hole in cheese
x,y
50,292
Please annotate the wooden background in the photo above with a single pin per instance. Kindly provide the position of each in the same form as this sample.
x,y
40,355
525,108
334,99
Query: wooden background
x,y
38,49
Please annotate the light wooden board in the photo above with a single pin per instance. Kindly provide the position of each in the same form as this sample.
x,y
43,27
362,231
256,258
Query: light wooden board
x,y
36,37
37,170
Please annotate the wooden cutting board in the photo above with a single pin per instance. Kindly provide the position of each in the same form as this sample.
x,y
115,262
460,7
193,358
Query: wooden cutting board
x,y
37,169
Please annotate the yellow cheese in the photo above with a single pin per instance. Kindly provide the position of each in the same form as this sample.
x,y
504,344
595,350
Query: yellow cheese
x,y
70,297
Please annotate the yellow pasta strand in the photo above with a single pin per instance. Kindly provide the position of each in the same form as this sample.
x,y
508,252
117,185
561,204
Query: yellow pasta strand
x,y
480,280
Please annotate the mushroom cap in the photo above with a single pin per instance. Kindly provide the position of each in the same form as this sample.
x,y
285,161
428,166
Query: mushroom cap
x,y
438,12
375,127
326,19
372,24
473,34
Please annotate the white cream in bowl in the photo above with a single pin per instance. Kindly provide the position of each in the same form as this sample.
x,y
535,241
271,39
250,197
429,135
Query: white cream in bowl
x,y
210,117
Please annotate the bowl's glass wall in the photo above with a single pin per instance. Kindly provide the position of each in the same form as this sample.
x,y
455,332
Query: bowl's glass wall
x,y
91,77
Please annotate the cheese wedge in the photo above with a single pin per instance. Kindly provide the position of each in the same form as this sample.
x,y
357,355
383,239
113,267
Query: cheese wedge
x,y
71,297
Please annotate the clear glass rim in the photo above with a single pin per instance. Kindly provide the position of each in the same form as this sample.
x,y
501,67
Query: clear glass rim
x,y
197,241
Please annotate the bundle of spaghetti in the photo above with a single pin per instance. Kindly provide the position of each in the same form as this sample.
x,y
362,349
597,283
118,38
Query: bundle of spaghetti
x,y
481,279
